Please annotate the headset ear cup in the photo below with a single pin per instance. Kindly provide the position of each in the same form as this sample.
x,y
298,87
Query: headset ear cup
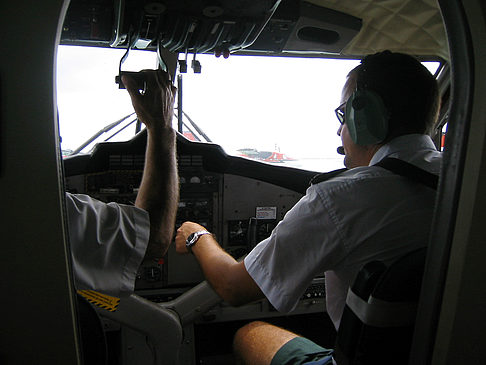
x,y
351,118
366,117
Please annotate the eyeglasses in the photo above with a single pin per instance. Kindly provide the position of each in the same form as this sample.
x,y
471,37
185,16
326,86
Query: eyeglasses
x,y
340,113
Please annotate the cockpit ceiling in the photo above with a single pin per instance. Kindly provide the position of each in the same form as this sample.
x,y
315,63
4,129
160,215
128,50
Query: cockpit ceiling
x,y
322,27
410,26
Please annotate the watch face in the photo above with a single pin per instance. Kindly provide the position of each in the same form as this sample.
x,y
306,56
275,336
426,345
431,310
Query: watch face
x,y
191,239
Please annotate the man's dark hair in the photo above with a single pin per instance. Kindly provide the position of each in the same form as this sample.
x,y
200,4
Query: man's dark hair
x,y
409,91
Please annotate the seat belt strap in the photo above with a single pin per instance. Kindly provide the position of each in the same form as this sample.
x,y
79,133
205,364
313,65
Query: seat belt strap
x,y
410,171
394,165
326,176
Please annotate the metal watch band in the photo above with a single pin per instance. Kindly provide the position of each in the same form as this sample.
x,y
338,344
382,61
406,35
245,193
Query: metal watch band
x,y
193,238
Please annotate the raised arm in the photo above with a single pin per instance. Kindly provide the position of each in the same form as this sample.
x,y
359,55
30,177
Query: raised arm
x,y
159,190
227,276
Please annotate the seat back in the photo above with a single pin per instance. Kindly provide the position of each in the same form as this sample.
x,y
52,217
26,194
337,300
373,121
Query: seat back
x,y
378,320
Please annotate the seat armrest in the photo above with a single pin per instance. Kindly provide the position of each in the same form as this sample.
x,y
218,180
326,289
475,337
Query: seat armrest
x,y
194,302
161,325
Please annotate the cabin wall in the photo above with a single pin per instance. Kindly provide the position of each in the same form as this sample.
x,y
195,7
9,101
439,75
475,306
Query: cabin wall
x,y
460,336
37,321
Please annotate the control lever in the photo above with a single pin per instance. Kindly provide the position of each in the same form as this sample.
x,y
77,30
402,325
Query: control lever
x,y
252,234
118,78
137,76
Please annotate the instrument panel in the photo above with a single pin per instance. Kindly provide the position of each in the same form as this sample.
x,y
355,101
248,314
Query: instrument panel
x,y
240,211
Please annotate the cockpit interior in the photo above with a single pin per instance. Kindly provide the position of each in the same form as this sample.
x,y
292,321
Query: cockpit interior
x,y
240,195
257,84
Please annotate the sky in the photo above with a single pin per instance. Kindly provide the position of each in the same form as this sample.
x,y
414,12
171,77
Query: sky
x,y
269,104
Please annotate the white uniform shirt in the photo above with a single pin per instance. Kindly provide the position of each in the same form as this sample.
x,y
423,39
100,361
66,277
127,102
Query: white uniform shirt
x,y
364,214
108,243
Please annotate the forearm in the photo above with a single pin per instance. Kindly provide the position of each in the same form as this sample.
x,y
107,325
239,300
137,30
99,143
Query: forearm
x,y
159,190
227,276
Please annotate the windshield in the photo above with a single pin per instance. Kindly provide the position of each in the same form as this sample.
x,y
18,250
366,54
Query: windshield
x,y
88,98
278,110
275,109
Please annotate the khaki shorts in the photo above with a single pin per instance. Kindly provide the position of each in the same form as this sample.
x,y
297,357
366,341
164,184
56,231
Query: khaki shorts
x,y
300,350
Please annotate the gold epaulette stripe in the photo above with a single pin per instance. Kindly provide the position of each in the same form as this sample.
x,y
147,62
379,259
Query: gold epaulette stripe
x,y
101,300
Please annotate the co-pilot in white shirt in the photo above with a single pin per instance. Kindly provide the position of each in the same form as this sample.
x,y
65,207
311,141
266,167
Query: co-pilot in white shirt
x,y
364,214
108,243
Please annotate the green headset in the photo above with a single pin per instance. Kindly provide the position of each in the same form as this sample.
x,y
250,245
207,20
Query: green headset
x,y
366,116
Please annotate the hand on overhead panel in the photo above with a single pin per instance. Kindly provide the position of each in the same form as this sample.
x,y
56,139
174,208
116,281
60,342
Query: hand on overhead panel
x,y
154,100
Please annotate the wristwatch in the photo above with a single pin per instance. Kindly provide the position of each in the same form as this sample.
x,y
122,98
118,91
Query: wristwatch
x,y
193,237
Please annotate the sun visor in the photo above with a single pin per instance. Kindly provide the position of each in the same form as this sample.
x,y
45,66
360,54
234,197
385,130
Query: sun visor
x,y
321,29
299,26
